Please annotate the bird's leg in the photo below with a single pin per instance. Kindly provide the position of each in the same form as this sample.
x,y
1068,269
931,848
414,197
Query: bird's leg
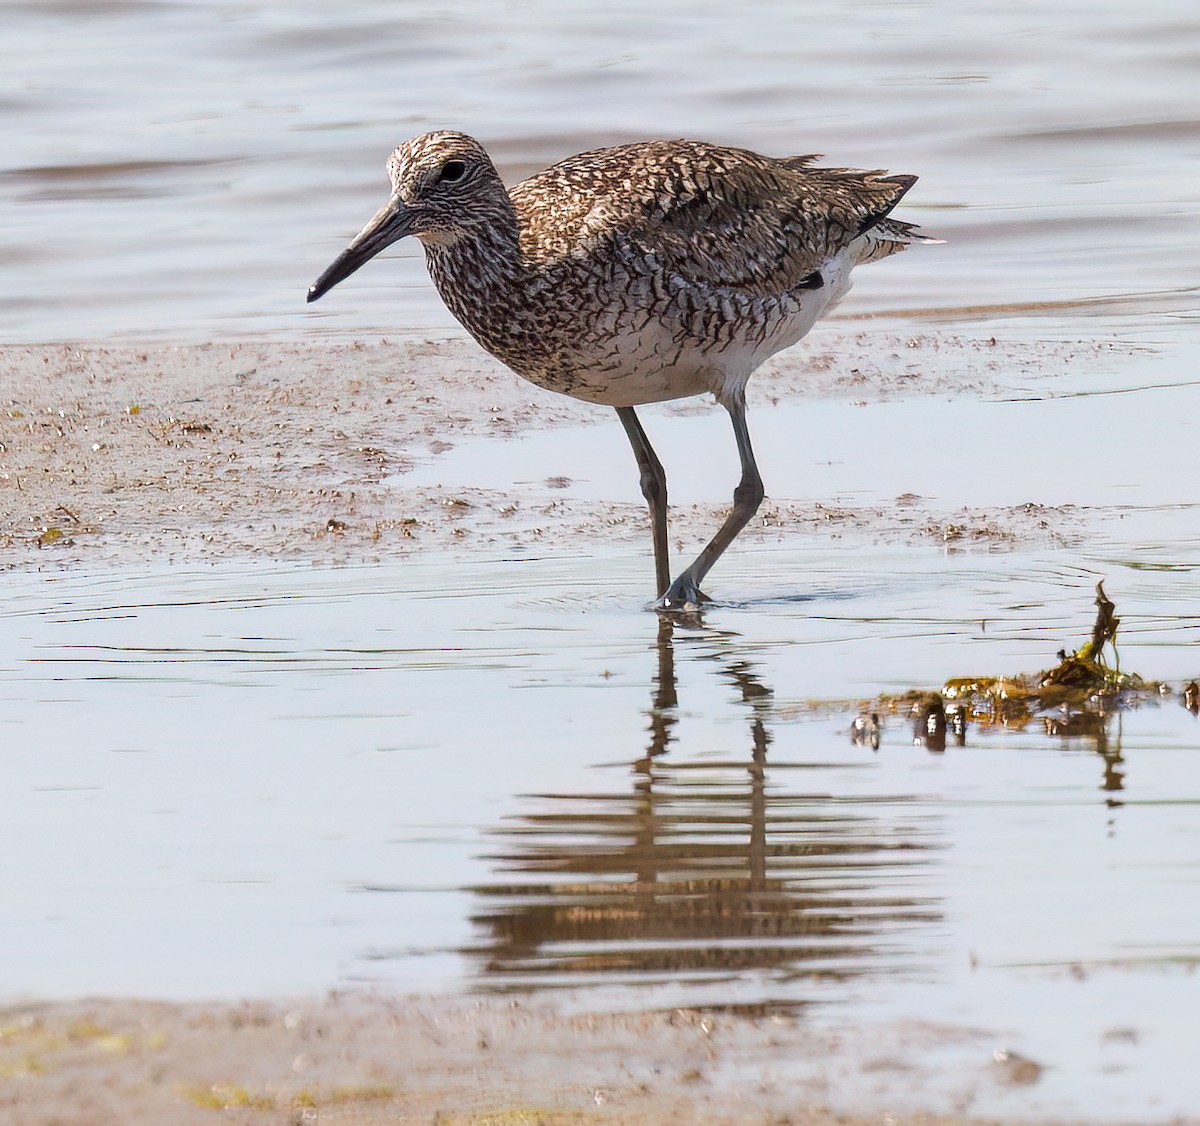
x,y
748,495
654,489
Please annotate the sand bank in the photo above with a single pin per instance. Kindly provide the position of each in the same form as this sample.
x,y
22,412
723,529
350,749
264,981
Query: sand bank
x,y
279,451
361,1059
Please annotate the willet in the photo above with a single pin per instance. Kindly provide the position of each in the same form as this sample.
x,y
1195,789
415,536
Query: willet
x,y
638,274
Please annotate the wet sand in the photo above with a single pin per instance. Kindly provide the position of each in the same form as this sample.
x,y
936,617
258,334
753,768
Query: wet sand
x,y
257,451
363,1059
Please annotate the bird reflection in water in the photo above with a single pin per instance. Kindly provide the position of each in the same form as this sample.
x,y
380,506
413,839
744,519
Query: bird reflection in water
x,y
932,723
1102,730
705,867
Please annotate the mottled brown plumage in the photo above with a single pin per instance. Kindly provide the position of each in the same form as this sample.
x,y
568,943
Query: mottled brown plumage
x,y
638,274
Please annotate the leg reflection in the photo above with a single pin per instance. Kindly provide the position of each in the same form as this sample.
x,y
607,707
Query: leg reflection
x,y
1103,730
705,865
665,699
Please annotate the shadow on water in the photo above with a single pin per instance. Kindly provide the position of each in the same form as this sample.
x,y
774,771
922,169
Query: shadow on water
x,y
706,867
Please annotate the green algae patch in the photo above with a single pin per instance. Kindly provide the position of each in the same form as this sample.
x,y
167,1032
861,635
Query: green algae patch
x,y
343,1096
230,1096
515,1116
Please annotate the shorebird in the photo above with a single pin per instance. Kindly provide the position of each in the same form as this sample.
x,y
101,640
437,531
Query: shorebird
x,y
638,274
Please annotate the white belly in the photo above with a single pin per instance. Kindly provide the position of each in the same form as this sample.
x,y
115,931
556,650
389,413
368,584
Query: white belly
x,y
651,360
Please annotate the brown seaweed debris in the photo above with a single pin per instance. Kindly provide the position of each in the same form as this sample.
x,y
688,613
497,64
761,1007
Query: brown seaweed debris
x,y
1082,684
1072,699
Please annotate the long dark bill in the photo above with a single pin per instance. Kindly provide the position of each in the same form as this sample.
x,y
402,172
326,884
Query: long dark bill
x,y
389,224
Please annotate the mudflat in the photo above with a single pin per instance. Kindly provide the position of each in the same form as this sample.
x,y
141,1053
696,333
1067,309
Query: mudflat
x,y
264,451
362,1059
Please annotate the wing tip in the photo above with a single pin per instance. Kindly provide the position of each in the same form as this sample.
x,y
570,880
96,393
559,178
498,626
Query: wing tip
x,y
905,179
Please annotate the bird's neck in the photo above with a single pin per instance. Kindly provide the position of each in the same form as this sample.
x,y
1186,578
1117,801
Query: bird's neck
x,y
480,271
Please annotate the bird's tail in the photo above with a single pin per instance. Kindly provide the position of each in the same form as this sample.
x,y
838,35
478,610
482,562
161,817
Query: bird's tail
x,y
890,236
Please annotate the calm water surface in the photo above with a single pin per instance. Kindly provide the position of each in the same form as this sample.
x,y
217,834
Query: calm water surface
x,y
180,169
1133,446
233,781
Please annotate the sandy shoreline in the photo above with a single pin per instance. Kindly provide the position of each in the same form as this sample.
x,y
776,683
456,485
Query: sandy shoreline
x,y
261,451
356,1058
120,456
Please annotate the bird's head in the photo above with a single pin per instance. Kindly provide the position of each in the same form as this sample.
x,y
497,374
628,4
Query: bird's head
x,y
443,185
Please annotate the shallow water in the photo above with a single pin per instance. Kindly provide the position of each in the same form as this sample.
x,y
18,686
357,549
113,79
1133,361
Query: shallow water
x,y
1132,445
185,170
501,775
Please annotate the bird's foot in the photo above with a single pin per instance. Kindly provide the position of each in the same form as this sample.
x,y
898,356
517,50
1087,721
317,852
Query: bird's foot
x,y
683,596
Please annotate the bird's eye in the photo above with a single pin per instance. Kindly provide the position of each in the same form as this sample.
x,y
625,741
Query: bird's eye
x,y
452,170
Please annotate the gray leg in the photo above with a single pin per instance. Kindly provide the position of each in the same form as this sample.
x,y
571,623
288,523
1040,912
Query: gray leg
x,y
748,495
654,489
